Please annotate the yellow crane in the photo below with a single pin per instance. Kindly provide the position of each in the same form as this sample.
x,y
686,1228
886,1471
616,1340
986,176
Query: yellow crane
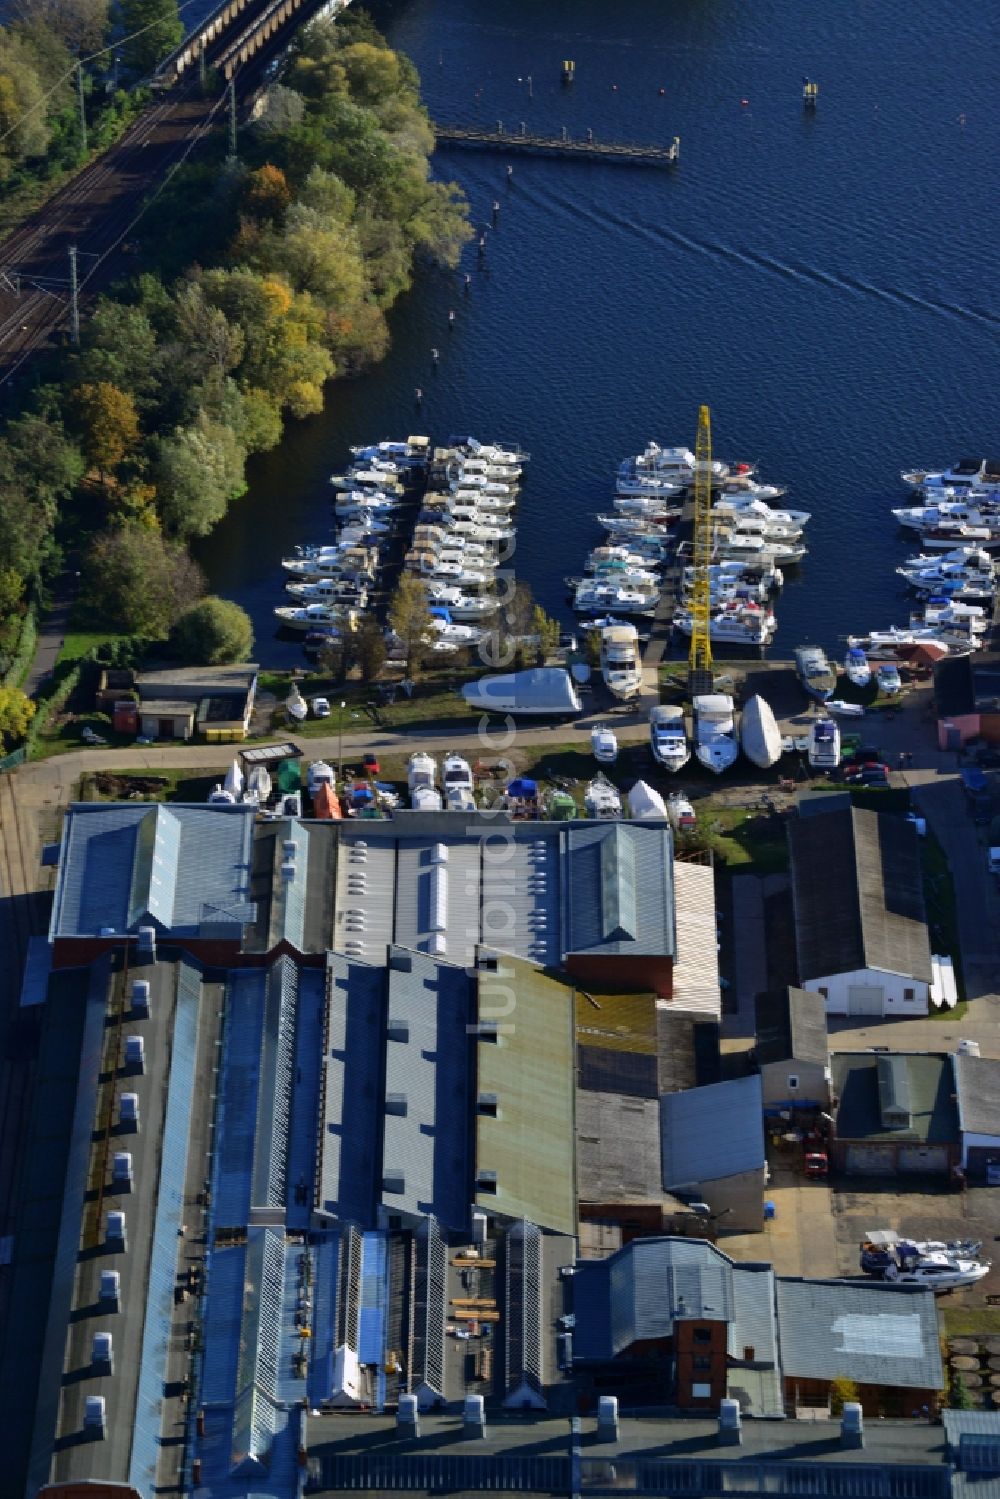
x,y
700,657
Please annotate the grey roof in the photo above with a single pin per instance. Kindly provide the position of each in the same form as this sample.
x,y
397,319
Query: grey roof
x,y
349,1142
168,707
191,683
185,867
860,1330
858,895
425,1153
752,1342
977,1080
617,1147
619,882
645,1288
710,1133
922,1082
791,1027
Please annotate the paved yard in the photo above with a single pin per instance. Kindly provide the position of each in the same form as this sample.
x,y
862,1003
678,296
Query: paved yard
x,y
801,1237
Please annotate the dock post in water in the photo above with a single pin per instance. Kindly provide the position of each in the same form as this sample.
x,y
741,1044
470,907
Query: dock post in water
x,y
810,93
568,71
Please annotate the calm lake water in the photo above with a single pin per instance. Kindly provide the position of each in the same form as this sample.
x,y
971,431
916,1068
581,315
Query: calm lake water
x,y
828,284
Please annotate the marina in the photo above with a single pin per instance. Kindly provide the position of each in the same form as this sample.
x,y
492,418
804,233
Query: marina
x,y
525,142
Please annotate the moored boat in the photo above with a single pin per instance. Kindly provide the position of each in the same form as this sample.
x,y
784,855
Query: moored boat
x,y
815,673
715,744
668,739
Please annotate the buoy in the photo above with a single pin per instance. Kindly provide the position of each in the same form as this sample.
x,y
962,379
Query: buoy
x,y
435,355
419,395
744,102
662,92
614,88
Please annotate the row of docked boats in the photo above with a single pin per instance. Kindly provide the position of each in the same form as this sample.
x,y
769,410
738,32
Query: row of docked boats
x,y
331,584
954,517
624,577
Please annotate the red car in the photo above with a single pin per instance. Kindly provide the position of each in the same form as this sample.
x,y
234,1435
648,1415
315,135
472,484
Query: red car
x,y
371,765
816,1164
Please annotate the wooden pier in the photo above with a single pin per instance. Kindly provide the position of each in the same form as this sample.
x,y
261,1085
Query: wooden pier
x,y
473,138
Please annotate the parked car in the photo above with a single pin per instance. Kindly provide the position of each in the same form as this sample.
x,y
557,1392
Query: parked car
x,y
371,765
875,775
816,1164
321,707
888,678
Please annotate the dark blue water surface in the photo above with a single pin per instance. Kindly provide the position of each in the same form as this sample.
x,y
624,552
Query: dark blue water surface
x,y
827,284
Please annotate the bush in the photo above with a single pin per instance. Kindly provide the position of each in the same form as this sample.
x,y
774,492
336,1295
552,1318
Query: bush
x,y
20,663
213,632
842,1392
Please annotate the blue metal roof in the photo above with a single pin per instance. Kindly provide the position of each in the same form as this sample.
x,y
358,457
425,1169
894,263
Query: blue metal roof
x,y
712,1132
619,889
350,1146
238,1087
185,867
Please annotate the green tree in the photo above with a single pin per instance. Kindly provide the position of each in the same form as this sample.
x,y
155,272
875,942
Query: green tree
x,y
11,591
137,582
370,649
959,1398
153,28
213,632
120,349
81,25
16,713
197,471
842,1392
546,630
108,424
39,468
24,128
410,621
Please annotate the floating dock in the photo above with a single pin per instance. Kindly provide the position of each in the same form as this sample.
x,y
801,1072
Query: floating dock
x,y
527,143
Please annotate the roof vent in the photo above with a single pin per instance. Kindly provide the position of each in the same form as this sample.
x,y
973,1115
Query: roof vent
x,y
393,1180
894,1092
289,848
140,995
439,853
486,1181
288,869
400,960
147,940
395,1103
398,1029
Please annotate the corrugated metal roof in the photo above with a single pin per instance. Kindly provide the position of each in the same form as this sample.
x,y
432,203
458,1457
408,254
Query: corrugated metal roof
x,y
860,1330
364,918
977,1080
223,1315
617,1148
711,1133
653,1283
878,920
437,897
352,1089
529,1067
238,1088
791,1027
618,879
520,896
696,964
425,1134
753,1336
186,866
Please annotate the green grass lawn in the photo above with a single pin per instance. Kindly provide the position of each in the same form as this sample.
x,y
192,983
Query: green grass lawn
x,y
161,785
741,838
79,643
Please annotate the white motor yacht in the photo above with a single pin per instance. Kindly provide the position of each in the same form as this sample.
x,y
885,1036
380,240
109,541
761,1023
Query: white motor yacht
x,y
330,590
758,552
603,744
824,745
715,744
592,597
941,1272
421,775
736,623
601,800
463,606
668,741
941,612
681,813
620,665
760,736
735,506
859,673
459,786
454,572
314,616
963,474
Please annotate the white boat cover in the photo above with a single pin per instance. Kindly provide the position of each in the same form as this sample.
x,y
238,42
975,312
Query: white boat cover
x,y
645,804
759,733
541,690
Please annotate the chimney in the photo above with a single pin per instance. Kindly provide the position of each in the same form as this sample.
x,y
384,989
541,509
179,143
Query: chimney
x,y
407,1422
852,1427
473,1420
607,1418
730,1431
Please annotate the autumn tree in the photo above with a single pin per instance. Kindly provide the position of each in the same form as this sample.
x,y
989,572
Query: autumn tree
x,y
138,582
16,712
266,195
81,25
108,424
24,128
410,621
213,632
